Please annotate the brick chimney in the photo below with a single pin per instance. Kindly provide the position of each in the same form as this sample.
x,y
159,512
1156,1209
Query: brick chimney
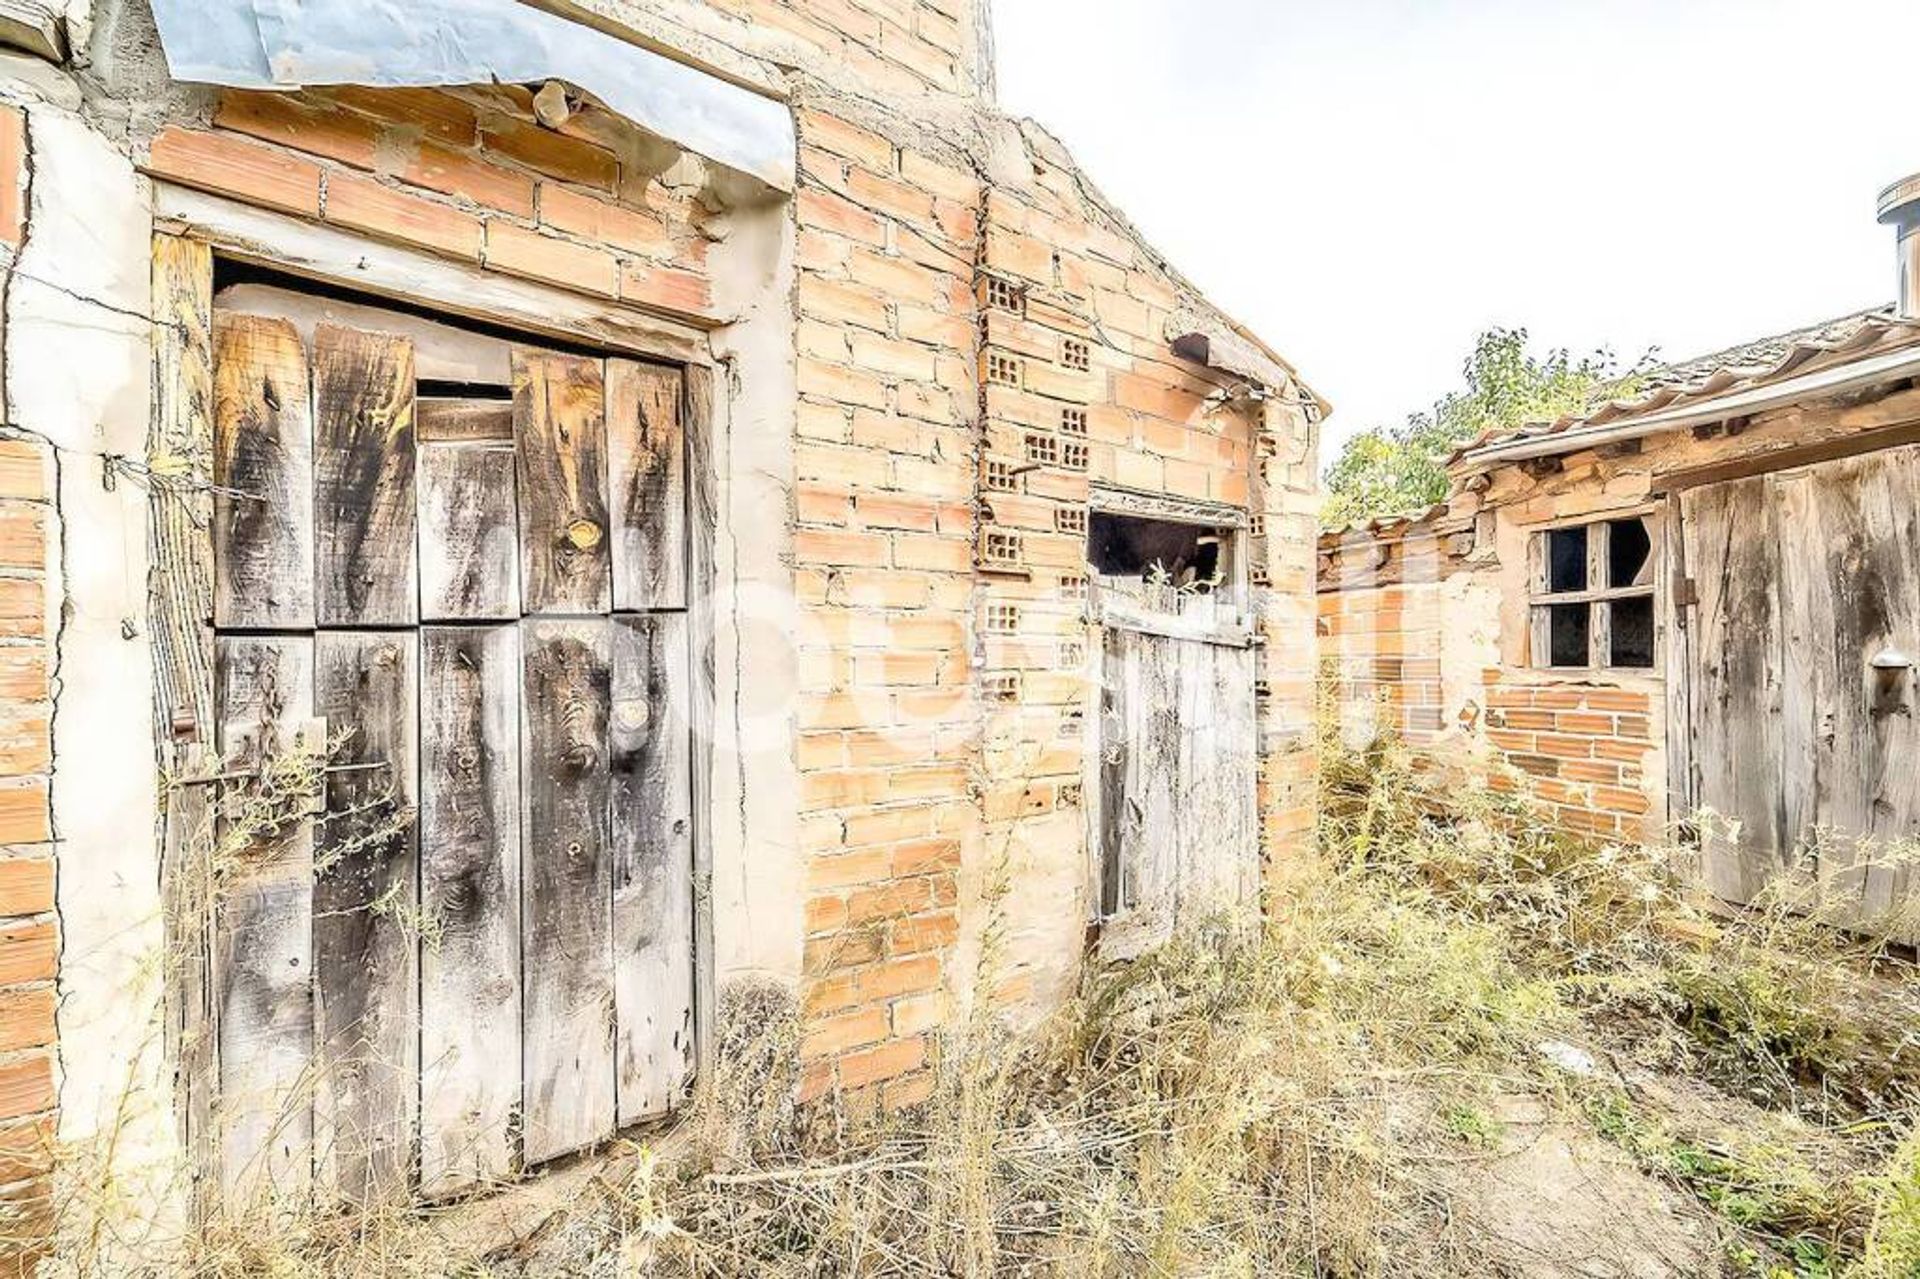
x,y
1900,208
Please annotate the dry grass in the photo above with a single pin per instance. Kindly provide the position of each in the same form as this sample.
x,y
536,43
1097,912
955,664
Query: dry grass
x,y
1301,1103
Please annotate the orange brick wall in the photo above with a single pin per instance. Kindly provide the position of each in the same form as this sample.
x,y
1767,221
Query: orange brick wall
x,y
1380,652
945,689
1583,749
901,48
1381,620
1580,753
884,487
29,934
465,174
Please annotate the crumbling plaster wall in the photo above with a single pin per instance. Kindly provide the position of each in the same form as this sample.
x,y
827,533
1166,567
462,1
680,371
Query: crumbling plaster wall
x,y
78,374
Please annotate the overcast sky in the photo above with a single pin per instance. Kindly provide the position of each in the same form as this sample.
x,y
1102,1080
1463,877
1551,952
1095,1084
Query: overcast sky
x,y
1369,183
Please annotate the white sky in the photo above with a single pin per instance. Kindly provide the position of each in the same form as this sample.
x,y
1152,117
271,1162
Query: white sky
x,y
1369,183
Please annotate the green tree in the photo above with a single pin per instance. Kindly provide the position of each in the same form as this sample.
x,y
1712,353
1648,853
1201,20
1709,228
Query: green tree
x,y
1386,471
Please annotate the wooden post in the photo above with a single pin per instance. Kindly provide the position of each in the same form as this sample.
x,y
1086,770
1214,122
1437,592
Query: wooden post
x,y
704,523
180,611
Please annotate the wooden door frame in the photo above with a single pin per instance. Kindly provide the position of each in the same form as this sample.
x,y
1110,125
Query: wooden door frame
x,y
1235,523
191,231
1674,590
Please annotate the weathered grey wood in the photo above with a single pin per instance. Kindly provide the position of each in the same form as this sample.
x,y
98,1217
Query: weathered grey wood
x,y
1677,670
566,918
1233,828
1112,742
263,470
1890,551
1179,823
647,446
1870,433
652,828
450,421
366,917
470,898
441,352
179,612
1732,552
1109,499
1153,840
364,508
1201,624
1796,736
1806,694
700,418
262,953
469,534
34,26
560,424
1863,527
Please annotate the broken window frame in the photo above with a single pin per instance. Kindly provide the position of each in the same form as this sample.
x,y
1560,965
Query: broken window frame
x,y
1597,597
1226,527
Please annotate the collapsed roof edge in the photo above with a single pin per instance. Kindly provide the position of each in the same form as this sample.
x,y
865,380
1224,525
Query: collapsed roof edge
x,y
288,44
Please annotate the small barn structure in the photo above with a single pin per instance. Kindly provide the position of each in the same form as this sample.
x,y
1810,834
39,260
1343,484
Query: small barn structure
x,y
518,520
1694,613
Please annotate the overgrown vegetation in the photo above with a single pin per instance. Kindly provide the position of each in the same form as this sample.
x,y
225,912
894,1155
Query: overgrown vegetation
x,y
1449,988
1395,470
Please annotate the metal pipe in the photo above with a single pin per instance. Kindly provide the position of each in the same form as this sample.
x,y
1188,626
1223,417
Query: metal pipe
x,y
1900,208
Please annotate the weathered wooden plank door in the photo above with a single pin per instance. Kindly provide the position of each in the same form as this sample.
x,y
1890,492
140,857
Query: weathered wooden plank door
x,y
470,885
1801,690
262,970
1179,838
473,950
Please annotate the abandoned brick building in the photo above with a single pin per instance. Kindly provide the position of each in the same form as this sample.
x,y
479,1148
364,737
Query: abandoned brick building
x,y
522,519
1693,613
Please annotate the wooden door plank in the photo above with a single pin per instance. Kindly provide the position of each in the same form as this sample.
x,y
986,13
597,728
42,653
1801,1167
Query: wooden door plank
x,y
470,894
364,530
1190,669
1233,827
180,612
649,485
566,921
469,535
366,918
1239,736
1153,782
262,961
1892,512
1731,547
652,827
1806,620
1677,658
263,476
443,420
1862,536
560,429
1112,741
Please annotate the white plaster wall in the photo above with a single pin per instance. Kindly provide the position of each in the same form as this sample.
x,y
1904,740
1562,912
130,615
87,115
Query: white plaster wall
x,y
1035,896
759,870
1469,646
79,372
